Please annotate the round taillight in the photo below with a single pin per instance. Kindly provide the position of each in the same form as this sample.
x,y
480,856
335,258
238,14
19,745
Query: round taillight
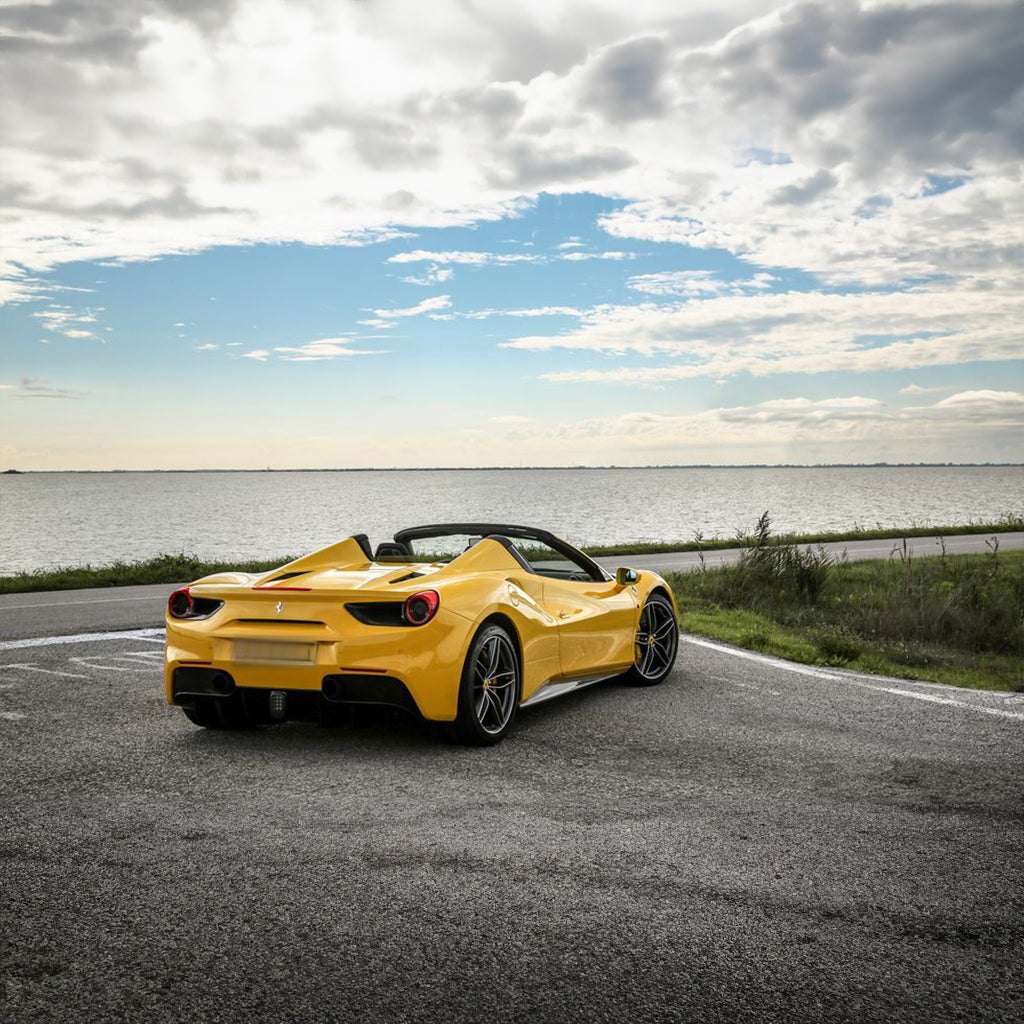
x,y
179,604
421,607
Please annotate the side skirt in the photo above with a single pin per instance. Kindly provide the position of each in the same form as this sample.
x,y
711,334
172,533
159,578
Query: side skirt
x,y
549,691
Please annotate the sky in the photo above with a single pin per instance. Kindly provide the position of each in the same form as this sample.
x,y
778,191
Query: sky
x,y
241,233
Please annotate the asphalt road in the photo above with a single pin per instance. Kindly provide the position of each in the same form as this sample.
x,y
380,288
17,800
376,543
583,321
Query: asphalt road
x,y
749,841
70,611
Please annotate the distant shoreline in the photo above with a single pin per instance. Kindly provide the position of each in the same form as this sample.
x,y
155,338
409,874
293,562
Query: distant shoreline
x,y
506,469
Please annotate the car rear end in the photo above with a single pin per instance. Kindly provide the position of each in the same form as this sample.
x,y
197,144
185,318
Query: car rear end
x,y
252,652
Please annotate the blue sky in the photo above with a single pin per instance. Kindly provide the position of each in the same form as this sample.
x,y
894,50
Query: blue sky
x,y
570,262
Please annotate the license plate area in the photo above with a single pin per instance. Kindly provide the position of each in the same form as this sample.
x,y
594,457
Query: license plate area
x,y
274,651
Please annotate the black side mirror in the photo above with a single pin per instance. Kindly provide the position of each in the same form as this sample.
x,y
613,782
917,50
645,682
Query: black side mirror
x,y
626,577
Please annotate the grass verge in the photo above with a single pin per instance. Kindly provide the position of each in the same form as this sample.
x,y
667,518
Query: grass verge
x,y
948,619
161,569
1005,523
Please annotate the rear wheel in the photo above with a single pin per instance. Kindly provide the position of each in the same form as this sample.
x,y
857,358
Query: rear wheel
x,y
489,691
657,642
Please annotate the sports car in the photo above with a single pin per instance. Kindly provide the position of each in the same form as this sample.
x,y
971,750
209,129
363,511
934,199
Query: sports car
x,y
462,624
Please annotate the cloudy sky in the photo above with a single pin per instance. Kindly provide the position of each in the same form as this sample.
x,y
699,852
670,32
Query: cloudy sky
x,y
318,233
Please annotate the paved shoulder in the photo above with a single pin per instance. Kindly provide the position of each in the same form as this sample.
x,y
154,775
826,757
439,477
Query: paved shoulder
x,y
57,612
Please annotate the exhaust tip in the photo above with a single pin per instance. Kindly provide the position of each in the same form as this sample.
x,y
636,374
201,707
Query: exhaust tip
x,y
330,688
222,683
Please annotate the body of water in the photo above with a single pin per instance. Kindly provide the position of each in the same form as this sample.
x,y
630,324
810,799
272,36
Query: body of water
x,y
49,519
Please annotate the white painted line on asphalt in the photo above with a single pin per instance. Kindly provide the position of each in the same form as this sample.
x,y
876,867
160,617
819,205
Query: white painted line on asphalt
x,y
864,681
90,662
47,671
946,700
802,670
70,604
11,716
150,635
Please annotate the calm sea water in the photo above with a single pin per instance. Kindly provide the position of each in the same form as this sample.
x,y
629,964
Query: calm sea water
x,y
50,519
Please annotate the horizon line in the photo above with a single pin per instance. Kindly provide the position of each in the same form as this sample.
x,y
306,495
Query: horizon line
x,y
484,469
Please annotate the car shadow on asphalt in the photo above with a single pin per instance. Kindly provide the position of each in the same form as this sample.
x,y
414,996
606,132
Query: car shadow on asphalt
x,y
387,730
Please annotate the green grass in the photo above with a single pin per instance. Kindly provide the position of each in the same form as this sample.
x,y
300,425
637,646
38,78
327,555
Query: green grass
x,y
949,619
161,569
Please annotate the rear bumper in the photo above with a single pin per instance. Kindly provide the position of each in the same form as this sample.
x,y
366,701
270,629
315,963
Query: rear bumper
x,y
197,686
416,668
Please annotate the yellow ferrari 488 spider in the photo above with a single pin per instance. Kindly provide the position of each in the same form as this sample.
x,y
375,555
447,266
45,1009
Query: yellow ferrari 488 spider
x,y
462,624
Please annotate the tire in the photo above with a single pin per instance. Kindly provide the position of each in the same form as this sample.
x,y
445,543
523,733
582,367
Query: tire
x,y
489,689
211,713
657,642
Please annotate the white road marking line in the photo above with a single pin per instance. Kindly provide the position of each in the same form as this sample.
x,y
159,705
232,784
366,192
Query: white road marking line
x,y
865,681
948,700
150,635
11,716
802,670
99,600
90,663
47,671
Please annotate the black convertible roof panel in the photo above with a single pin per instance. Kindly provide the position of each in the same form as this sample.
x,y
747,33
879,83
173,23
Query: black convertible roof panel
x,y
475,530
505,530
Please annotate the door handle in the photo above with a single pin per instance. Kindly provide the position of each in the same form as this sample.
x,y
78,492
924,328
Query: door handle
x,y
564,615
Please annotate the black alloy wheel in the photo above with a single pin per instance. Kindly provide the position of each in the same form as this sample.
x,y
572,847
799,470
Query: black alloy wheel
x,y
490,688
657,642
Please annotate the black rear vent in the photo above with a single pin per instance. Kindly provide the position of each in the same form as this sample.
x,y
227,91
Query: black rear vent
x,y
409,576
356,688
378,613
287,576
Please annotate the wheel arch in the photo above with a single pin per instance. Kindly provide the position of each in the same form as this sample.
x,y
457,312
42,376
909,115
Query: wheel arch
x,y
661,587
501,619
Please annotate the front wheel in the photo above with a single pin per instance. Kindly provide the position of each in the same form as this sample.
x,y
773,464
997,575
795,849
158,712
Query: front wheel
x,y
489,690
657,642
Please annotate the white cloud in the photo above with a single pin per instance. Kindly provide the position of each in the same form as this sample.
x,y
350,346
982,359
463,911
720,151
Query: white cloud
x,y
33,387
175,123
917,389
435,275
987,399
457,256
795,332
696,282
611,255
434,303
531,311
511,420
259,354
65,320
838,429
324,348
208,347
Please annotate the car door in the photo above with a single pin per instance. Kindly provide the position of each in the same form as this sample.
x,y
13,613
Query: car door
x,y
596,624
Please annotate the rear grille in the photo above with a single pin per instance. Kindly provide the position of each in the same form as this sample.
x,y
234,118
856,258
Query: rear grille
x,y
366,689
